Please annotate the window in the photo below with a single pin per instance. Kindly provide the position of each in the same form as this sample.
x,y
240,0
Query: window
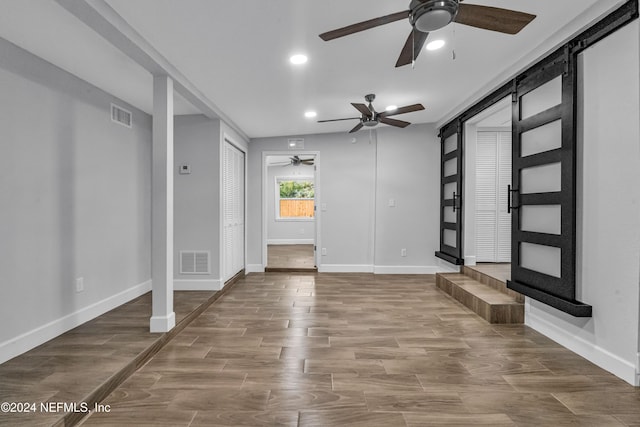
x,y
294,198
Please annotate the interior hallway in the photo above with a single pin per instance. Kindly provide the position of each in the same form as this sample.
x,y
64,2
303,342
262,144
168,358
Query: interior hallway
x,y
290,258
338,349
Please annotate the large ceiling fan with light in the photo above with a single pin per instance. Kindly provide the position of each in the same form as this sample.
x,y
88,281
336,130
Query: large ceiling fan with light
x,y
430,15
370,117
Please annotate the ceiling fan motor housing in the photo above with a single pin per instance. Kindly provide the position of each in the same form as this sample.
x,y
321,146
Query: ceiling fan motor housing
x,y
431,15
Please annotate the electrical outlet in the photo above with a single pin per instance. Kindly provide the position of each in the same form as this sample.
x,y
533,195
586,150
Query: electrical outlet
x,y
324,251
301,231
79,284
403,252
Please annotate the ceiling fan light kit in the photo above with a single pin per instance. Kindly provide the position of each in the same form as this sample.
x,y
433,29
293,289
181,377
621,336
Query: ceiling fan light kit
x,y
432,15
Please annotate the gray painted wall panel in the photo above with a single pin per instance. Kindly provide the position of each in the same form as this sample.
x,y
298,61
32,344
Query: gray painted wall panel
x,y
75,191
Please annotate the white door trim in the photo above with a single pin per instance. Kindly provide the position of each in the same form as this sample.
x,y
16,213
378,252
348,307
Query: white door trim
x,y
265,192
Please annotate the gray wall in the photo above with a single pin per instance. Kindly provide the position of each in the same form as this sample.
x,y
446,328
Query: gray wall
x,y
197,196
287,231
408,171
75,191
355,181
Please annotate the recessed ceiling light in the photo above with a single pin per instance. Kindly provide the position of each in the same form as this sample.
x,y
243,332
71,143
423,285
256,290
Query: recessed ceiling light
x,y
435,45
391,108
310,114
298,59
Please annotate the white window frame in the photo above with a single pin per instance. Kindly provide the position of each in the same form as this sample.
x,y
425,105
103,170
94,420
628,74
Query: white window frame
x,y
277,199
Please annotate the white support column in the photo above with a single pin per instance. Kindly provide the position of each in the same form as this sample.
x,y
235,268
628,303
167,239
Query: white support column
x,y
163,317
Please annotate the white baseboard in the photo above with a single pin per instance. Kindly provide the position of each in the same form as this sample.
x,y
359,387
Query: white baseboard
x,y
254,268
446,267
25,342
159,324
405,269
345,268
290,241
196,285
599,356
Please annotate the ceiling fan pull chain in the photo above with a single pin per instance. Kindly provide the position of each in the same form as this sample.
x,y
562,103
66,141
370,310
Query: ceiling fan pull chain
x,y
453,44
413,49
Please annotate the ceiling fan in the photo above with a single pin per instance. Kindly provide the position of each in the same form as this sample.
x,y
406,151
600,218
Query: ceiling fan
x,y
430,15
370,117
297,161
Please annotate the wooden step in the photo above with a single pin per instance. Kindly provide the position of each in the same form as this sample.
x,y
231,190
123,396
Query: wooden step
x,y
489,303
498,284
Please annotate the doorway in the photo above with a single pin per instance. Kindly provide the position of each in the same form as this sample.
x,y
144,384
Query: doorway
x,y
488,172
290,223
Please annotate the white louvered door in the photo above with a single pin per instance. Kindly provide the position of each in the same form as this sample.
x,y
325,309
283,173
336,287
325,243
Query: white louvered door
x,y
233,210
493,174
503,246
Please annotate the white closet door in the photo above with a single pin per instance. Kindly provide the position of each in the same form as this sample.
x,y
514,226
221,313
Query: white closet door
x,y
493,174
233,209
486,207
503,250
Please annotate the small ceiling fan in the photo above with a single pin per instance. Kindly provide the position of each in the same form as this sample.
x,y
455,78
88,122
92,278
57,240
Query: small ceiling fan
x,y
430,15
296,161
370,117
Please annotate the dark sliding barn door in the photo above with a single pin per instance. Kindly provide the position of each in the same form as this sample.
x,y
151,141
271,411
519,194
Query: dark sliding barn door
x,y
451,195
542,199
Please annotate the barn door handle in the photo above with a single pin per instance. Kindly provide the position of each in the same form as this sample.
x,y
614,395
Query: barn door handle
x,y
455,204
509,191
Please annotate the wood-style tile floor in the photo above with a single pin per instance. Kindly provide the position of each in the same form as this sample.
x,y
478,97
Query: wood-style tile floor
x,y
362,350
69,367
290,257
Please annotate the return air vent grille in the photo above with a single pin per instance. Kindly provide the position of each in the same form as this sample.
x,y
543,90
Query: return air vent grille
x,y
121,116
194,262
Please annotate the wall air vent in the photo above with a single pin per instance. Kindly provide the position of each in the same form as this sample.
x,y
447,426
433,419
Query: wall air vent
x,y
121,116
194,262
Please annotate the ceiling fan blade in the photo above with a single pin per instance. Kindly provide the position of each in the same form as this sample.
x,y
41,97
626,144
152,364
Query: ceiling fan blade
x,y
412,47
493,18
357,128
365,25
363,109
338,120
394,122
402,110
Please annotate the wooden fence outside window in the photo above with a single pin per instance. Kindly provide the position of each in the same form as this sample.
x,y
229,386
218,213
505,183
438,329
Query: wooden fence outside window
x,y
296,208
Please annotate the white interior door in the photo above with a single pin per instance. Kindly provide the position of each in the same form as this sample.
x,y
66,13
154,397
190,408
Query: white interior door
x,y
234,210
493,174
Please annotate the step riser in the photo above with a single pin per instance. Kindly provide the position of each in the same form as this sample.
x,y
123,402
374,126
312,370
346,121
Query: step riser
x,y
492,313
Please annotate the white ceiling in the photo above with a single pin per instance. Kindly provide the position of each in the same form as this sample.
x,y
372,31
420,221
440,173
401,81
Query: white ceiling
x,y
236,53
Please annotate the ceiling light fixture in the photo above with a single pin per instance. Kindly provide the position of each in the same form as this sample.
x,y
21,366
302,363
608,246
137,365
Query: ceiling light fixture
x,y
310,114
431,15
298,59
435,45
391,108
